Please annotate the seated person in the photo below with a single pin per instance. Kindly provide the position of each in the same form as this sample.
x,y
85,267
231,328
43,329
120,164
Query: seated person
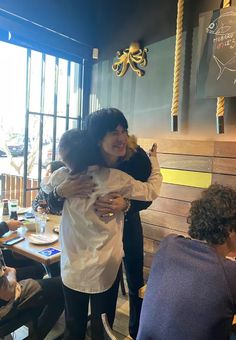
x,y
191,290
40,203
25,267
43,296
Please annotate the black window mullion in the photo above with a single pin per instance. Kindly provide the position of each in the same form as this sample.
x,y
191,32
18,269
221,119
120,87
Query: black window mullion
x,y
68,94
42,97
27,101
55,109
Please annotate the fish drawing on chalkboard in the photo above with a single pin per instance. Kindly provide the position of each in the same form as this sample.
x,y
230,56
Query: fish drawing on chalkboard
x,y
221,25
230,65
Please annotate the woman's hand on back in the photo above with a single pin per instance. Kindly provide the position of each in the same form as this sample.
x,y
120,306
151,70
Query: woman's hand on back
x,y
109,205
79,185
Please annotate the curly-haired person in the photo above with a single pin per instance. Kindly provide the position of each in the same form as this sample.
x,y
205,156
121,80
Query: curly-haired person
x,y
191,291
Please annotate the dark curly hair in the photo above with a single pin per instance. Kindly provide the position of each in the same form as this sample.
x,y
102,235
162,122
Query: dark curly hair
x,y
213,216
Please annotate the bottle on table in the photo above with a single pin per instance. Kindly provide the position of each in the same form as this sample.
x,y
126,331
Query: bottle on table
x,y
5,210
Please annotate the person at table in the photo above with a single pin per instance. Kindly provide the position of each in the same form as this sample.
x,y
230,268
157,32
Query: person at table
x,y
92,249
191,290
122,152
25,267
45,297
40,203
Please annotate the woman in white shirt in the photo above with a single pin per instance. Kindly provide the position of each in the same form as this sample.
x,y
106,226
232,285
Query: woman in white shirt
x,y
92,248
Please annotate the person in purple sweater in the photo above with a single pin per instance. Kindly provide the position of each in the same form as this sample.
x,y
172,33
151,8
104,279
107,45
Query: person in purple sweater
x,y
191,290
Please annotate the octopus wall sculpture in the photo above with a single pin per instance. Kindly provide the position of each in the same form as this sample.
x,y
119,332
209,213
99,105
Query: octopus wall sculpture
x,y
132,56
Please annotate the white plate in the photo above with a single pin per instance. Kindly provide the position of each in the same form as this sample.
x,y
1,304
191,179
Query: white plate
x,y
42,239
22,211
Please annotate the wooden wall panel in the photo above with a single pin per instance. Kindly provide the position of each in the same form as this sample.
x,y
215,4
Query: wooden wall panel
x,y
174,222
225,149
185,162
187,167
187,178
224,180
158,233
178,146
224,166
180,192
171,206
150,246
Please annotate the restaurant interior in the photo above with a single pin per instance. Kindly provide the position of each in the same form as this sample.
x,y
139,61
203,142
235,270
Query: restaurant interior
x,y
149,59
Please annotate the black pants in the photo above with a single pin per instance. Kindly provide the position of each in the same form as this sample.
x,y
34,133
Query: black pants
x,y
50,304
133,261
76,311
25,268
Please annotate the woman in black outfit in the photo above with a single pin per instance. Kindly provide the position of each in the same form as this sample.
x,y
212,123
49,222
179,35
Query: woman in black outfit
x,y
136,163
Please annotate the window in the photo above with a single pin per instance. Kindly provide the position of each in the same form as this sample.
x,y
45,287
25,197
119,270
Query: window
x,y
40,99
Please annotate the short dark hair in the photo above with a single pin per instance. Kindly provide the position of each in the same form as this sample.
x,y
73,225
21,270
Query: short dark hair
x,y
55,165
79,151
100,122
213,216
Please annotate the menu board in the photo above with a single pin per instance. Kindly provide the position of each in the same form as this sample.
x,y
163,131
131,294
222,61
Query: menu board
x,y
217,53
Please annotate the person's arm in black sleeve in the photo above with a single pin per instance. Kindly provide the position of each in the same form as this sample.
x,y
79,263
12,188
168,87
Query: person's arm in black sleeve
x,y
139,167
3,228
38,198
55,202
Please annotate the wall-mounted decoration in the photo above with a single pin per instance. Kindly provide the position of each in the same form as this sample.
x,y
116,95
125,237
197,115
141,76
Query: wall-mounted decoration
x,y
177,66
217,57
133,56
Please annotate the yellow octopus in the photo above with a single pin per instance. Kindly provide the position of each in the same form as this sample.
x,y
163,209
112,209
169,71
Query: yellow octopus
x,y
132,56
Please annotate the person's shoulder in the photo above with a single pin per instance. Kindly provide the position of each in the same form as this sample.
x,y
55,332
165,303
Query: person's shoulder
x,y
172,238
138,165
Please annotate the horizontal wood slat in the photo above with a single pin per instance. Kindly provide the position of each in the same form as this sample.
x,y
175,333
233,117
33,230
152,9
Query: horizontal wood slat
x,y
224,166
171,206
185,162
179,146
162,219
224,180
225,149
180,192
157,233
151,246
188,178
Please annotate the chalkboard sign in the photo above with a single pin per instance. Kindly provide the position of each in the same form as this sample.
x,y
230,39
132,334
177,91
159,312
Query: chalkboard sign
x,y
217,53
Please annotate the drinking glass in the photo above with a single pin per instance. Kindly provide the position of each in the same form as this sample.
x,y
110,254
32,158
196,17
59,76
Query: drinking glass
x,y
40,223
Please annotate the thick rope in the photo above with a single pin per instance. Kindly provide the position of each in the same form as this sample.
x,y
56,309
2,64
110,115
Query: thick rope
x,y
177,64
220,107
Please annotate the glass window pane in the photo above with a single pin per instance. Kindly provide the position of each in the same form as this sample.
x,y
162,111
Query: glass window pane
x,y
35,81
12,108
62,87
75,91
73,123
49,84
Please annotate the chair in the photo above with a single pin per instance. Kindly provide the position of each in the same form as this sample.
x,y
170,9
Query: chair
x,y
108,332
28,318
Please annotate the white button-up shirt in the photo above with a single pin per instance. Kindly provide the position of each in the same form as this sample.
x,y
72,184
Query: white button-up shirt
x,y
92,250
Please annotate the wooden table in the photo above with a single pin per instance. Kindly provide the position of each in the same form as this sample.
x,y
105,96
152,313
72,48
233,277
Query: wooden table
x,y
32,251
